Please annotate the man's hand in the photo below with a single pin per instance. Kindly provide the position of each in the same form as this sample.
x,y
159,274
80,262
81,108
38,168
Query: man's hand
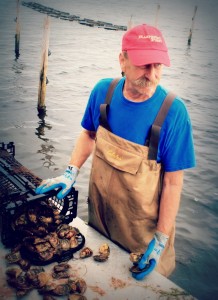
x,y
150,258
65,182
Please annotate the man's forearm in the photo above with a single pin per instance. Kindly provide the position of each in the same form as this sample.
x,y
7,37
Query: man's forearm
x,y
83,148
170,201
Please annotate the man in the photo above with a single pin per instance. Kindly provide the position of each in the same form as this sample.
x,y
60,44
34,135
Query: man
x,y
137,170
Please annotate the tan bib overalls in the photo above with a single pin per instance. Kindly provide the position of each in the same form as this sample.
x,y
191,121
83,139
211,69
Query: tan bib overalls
x,y
124,194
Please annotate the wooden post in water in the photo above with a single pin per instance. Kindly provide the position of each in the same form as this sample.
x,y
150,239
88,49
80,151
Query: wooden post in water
x,y
44,68
129,23
17,35
192,27
157,15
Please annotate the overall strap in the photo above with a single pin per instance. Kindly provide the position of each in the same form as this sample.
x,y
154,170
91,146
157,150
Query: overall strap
x,y
104,108
156,127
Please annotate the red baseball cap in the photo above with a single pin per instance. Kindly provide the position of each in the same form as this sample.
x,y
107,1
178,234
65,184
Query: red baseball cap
x,y
145,45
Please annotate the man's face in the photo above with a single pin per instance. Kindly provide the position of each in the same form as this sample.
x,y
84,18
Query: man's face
x,y
141,79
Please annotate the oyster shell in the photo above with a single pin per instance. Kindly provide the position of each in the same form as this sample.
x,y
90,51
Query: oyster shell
x,y
13,257
13,273
104,252
38,280
61,267
64,244
53,239
76,297
21,220
61,290
46,255
104,249
43,279
135,269
32,216
24,264
73,242
59,275
85,252
135,256
41,247
100,257
77,286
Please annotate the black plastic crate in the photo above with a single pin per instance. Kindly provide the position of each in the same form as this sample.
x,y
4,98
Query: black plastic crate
x,y
17,190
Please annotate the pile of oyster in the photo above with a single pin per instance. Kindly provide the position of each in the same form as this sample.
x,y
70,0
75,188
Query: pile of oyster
x,y
43,235
58,282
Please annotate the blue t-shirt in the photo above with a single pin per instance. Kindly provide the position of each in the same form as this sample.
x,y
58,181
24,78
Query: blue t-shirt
x,y
133,120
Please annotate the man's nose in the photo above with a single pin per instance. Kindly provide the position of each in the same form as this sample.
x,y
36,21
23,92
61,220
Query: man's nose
x,y
150,71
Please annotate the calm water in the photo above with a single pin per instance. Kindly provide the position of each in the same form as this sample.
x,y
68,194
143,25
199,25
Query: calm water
x,y
80,57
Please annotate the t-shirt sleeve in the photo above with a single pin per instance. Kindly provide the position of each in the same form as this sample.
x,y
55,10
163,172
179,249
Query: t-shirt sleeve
x,y
176,147
87,120
90,120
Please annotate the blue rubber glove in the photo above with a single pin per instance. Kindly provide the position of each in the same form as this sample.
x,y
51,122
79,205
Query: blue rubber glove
x,y
65,182
150,258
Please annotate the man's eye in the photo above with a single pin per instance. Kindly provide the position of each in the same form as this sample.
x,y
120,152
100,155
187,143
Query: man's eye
x,y
157,66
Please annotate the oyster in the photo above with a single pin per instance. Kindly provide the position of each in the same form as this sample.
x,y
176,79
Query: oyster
x,y
32,216
104,249
61,271
46,255
24,264
63,230
13,257
13,273
46,220
53,239
61,267
39,231
47,289
41,247
43,279
100,257
22,293
21,220
73,242
38,280
104,252
61,290
76,297
136,269
33,272
135,256
18,280
77,286
71,233
85,252
59,275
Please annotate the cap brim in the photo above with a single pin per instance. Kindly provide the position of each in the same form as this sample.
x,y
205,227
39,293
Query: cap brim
x,y
142,57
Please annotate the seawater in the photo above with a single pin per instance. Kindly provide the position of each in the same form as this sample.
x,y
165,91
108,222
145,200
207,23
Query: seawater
x,y
80,56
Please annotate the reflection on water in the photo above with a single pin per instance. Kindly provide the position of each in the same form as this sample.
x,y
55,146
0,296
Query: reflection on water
x,y
40,130
46,149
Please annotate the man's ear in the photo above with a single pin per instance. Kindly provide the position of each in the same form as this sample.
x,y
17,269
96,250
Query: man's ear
x,y
122,62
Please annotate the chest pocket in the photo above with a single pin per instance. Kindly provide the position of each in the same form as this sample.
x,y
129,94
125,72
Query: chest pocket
x,y
118,157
